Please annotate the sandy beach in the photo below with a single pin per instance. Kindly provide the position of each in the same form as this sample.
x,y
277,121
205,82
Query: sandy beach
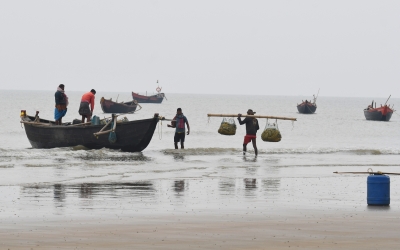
x,y
304,230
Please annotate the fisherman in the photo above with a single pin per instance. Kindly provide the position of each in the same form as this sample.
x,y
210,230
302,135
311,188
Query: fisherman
x,y
179,126
84,110
61,104
251,130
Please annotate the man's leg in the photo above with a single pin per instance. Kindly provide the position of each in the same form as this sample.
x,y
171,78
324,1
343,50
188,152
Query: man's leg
x,y
255,145
83,119
176,140
182,140
244,149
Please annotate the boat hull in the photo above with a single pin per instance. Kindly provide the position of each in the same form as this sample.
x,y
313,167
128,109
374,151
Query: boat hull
x,y
148,99
132,136
304,108
376,115
111,107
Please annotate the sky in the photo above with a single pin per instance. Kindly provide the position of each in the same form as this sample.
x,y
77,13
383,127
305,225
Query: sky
x,y
344,48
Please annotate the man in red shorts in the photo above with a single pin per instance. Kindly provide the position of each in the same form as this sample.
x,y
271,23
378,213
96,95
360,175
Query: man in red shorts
x,y
251,130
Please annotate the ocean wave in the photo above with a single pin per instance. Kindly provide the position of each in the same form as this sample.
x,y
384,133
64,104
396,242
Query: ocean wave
x,y
225,151
62,155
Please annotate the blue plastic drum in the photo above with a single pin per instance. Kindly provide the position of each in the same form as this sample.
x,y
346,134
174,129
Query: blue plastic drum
x,y
378,190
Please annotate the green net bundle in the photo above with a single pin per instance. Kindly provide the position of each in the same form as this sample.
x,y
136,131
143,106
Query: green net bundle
x,y
271,133
227,127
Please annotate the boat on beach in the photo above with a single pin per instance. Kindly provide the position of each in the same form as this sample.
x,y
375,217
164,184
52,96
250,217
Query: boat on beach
x,y
308,107
382,113
109,106
129,136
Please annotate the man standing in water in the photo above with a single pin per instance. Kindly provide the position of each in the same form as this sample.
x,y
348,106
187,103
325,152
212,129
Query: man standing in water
x,y
84,110
180,121
251,130
61,104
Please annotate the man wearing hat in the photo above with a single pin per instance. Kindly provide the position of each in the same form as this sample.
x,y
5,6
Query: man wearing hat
x,y
251,130
86,100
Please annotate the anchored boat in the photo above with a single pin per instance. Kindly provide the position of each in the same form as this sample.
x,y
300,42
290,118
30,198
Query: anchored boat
x,y
129,136
158,98
382,113
109,106
308,107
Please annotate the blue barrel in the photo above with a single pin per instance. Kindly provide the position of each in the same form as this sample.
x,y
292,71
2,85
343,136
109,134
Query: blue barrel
x,y
378,190
95,120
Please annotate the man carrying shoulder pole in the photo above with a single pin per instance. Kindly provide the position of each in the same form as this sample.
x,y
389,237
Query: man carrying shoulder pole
x,y
251,130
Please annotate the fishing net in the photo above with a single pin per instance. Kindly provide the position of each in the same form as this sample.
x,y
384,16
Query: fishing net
x,y
271,132
228,127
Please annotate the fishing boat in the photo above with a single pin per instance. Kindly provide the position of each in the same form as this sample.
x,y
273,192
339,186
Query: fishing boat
x,y
109,106
157,98
382,113
129,136
308,107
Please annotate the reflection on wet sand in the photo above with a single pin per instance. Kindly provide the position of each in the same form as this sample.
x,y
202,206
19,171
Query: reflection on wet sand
x,y
59,192
143,194
179,187
227,186
271,185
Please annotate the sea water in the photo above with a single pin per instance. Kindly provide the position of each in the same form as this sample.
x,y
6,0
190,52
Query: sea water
x,y
210,174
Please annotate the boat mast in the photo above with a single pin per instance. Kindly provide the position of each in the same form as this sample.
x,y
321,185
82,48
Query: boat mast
x,y
315,98
387,99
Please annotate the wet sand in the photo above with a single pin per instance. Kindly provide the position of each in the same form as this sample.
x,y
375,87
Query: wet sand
x,y
304,229
281,210
373,228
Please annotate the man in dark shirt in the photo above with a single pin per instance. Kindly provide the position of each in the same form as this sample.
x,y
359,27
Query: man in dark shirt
x,y
251,130
179,125
61,100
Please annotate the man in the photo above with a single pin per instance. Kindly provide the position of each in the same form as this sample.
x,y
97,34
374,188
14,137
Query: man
x,y
180,121
251,130
61,104
84,110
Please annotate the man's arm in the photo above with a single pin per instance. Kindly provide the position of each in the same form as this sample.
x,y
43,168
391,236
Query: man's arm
x,y
240,119
92,103
187,124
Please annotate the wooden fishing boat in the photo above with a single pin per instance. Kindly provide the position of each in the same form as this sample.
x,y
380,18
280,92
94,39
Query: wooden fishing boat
x,y
382,113
129,136
109,106
158,98
308,107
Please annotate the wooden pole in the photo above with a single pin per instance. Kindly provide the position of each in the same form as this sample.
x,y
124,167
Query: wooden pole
x,y
254,116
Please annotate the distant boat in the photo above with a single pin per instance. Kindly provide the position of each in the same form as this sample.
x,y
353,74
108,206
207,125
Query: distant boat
x,y
308,107
157,98
382,113
109,106
130,136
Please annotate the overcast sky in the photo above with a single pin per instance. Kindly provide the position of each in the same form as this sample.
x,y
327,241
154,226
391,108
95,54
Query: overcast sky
x,y
345,48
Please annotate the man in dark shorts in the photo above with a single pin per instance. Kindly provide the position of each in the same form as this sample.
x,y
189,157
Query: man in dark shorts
x,y
251,130
87,100
179,126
